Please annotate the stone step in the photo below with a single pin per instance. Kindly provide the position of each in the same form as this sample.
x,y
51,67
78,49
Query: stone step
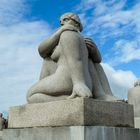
x,y
72,133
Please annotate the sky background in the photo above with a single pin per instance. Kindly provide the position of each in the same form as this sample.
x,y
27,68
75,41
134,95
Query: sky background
x,y
113,24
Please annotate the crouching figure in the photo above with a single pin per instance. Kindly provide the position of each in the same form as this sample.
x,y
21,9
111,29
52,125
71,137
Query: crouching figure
x,y
71,66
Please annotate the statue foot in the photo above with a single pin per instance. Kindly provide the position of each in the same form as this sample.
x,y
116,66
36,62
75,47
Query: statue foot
x,y
80,90
41,98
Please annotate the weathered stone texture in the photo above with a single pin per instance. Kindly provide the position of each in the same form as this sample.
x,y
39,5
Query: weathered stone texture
x,y
72,133
73,112
137,122
0,135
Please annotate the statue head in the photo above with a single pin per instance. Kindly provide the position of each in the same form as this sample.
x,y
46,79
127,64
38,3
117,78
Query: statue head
x,y
137,83
71,18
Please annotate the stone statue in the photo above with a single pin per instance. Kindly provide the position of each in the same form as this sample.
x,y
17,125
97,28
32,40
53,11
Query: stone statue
x,y
134,98
2,121
71,66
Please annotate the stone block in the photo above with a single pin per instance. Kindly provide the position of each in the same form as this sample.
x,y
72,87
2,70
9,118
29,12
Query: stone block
x,y
73,112
137,122
0,135
72,133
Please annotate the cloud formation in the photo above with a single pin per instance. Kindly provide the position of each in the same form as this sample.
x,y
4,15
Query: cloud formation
x,y
120,81
127,51
12,11
112,20
20,62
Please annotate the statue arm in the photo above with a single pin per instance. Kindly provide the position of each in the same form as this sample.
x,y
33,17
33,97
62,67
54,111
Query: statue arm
x,y
46,47
93,51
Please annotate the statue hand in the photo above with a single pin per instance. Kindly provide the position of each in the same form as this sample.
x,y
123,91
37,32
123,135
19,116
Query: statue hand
x,y
93,51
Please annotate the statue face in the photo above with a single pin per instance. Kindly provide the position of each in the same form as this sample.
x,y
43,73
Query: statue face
x,y
66,21
72,19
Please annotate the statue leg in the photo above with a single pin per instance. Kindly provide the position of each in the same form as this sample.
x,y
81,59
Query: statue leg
x,y
98,81
105,83
54,85
103,79
48,68
97,87
40,98
76,56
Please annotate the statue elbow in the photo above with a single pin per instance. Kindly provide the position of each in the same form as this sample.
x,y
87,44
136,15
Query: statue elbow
x,y
41,53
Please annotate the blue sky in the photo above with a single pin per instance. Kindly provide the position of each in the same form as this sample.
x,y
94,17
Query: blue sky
x,y
113,24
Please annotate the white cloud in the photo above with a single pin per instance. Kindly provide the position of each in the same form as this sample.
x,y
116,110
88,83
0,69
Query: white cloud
x,y
109,20
20,63
103,15
127,51
120,81
12,11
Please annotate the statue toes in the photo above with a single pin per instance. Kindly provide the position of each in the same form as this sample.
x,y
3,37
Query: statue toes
x,y
89,95
73,95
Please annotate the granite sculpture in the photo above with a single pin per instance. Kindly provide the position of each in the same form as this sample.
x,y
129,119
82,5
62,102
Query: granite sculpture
x,y
134,98
2,122
71,66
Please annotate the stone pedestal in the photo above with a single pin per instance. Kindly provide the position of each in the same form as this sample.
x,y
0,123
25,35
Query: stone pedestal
x,y
74,119
73,112
137,122
72,133
0,135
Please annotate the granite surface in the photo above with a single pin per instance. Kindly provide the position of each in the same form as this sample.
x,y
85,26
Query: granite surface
x,y
73,133
72,112
137,122
0,135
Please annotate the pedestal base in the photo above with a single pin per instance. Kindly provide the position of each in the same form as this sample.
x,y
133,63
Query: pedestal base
x,y
72,133
0,135
73,112
137,122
